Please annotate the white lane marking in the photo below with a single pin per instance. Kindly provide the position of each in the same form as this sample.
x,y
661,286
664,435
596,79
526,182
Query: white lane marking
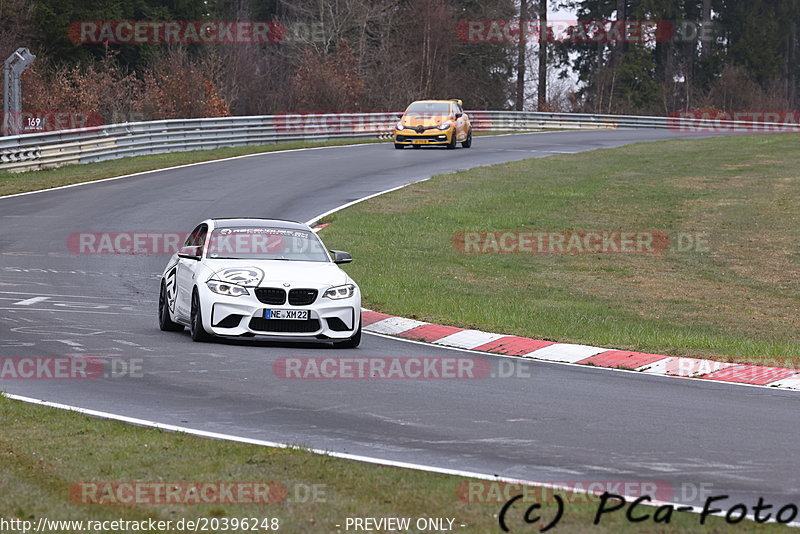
x,y
333,454
28,302
123,342
792,382
271,153
566,352
362,199
469,339
131,344
394,325
52,295
74,345
15,343
62,310
274,152
60,330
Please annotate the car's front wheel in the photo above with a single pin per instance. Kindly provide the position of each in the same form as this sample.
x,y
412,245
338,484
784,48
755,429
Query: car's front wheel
x,y
398,146
452,144
351,342
196,321
468,141
165,323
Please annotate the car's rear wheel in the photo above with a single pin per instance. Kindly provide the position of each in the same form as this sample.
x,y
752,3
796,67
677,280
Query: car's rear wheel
x,y
468,141
165,323
351,342
196,321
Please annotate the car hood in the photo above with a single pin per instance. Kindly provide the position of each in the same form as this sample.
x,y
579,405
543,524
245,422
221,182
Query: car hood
x,y
429,121
309,273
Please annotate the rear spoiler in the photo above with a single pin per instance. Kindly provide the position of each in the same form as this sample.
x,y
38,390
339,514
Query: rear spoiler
x,y
457,101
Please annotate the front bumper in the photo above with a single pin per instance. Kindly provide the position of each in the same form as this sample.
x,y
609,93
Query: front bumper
x,y
244,317
431,136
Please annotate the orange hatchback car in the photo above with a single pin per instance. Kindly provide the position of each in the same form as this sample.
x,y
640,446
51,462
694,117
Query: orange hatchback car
x,y
433,122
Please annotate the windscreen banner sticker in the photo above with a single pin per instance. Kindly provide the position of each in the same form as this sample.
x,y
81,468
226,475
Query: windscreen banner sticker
x,y
237,242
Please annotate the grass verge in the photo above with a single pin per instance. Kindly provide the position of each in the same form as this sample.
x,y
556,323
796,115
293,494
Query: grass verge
x,y
733,298
44,453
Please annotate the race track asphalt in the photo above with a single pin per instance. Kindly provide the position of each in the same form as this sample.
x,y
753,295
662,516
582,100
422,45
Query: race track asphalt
x,y
552,423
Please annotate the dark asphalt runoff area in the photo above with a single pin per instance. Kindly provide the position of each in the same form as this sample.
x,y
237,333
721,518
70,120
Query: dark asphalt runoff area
x,y
548,422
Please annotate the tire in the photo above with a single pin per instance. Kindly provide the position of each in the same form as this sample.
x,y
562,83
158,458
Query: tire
x,y
165,323
196,322
468,141
399,146
350,343
452,144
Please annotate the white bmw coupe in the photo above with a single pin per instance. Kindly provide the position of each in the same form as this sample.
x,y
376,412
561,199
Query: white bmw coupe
x,y
259,277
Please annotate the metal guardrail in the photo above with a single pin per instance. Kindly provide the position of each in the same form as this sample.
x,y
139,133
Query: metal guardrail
x,y
52,149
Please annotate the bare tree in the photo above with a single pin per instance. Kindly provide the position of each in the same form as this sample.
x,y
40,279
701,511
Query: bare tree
x,y
521,49
541,103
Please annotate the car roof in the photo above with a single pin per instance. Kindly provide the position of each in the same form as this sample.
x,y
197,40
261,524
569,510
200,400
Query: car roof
x,y
438,101
259,222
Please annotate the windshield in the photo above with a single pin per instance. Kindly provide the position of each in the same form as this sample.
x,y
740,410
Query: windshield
x,y
428,108
265,244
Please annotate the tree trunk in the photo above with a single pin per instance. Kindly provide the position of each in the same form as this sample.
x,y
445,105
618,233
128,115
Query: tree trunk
x,y
705,28
541,100
519,103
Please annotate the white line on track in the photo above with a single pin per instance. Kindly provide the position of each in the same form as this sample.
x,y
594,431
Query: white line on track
x,y
28,302
273,152
51,295
343,455
61,310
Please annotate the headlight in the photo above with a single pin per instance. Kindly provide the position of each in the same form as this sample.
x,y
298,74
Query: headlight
x,y
400,126
340,292
227,289
445,125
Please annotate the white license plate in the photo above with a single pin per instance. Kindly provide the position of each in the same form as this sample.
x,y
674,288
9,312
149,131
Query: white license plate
x,y
294,315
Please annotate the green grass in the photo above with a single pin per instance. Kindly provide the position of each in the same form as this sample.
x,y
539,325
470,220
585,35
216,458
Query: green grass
x,y
738,301
21,182
45,452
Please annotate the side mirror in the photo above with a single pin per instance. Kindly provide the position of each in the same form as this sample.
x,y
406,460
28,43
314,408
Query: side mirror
x,y
190,253
341,257
459,115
